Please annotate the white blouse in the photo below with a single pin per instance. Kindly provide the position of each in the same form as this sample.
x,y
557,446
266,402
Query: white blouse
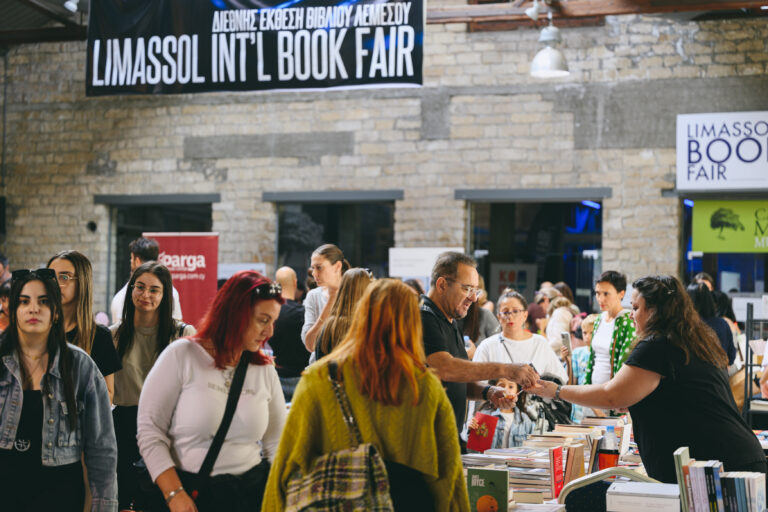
x,y
182,404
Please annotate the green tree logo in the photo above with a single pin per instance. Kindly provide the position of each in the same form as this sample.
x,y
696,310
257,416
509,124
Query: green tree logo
x,y
725,218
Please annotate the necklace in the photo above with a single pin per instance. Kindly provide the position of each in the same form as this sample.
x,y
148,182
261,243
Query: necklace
x,y
33,358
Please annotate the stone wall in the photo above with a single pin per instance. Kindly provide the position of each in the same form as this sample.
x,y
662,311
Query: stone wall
x,y
480,121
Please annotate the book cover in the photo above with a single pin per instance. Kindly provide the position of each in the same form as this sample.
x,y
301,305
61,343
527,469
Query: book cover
x,y
592,465
556,469
741,490
699,485
755,484
488,489
574,463
481,438
642,497
682,458
528,495
688,487
710,482
717,470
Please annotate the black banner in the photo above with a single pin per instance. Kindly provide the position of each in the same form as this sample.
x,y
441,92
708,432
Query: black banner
x,y
185,46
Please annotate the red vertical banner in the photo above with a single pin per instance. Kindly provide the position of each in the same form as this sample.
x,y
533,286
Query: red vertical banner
x,y
193,259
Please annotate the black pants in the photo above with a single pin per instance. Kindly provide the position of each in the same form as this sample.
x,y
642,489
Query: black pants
x,y
127,453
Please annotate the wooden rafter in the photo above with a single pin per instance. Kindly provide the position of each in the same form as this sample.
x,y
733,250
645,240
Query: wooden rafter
x,y
56,13
580,9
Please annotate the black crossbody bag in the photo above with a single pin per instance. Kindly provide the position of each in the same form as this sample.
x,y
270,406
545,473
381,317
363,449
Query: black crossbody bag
x,y
233,492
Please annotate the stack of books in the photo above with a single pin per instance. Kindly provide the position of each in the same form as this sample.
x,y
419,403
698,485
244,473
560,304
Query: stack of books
x,y
642,497
534,473
705,487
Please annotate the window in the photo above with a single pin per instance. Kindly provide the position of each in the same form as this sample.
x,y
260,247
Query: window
x,y
364,231
525,243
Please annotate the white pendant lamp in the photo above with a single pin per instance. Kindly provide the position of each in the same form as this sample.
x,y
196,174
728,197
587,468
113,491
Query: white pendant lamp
x,y
549,62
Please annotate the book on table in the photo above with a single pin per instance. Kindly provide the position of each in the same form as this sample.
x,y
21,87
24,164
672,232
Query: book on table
x,y
488,489
481,438
642,497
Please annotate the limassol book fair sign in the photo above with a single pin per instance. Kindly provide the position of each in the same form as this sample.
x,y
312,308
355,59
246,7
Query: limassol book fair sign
x,y
722,151
188,46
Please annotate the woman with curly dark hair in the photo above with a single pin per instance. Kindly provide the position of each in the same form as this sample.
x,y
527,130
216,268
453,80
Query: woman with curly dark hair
x,y
675,384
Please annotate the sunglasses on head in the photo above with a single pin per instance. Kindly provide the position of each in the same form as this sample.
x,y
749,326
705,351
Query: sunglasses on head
x,y
268,291
40,273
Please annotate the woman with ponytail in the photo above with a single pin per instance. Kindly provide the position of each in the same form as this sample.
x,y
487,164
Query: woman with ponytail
x,y
54,408
328,265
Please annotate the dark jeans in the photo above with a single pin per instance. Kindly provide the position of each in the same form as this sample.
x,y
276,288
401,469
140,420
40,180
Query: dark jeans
x,y
127,453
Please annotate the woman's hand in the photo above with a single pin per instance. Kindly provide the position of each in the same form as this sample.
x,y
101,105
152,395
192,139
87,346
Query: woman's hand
x,y
182,502
543,388
565,354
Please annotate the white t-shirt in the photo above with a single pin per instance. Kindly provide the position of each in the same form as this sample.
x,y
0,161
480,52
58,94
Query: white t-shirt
x,y
183,402
534,350
602,341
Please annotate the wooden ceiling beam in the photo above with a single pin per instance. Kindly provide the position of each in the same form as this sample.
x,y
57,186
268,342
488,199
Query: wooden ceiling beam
x,y
580,9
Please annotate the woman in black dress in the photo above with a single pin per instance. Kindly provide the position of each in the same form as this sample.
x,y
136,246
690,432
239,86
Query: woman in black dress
x,y
675,385
75,277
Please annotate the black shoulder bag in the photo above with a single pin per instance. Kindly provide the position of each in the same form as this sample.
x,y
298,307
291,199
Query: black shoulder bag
x,y
235,492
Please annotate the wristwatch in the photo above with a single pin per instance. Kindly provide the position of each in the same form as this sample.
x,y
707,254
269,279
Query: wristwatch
x,y
557,391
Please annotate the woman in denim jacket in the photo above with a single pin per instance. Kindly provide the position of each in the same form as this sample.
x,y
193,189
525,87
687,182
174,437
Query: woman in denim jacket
x,y
54,408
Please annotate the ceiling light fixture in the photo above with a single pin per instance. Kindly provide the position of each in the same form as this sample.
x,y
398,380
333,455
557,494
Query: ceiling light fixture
x,y
549,62
71,5
533,11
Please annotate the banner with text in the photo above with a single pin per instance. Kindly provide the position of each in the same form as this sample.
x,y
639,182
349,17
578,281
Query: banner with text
x,y
193,259
730,226
187,46
722,151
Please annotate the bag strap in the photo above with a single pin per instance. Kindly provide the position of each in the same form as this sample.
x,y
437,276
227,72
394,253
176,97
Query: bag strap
x,y
346,409
229,412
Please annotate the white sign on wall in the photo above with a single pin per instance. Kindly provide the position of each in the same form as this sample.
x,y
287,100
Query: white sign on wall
x,y
722,151
415,262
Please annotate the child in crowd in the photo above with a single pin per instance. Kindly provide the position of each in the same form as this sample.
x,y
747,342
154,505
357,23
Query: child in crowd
x,y
514,424
579,362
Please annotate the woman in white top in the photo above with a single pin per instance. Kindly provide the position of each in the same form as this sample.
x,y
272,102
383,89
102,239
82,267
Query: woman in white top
x,y
327,266
517,345
185,395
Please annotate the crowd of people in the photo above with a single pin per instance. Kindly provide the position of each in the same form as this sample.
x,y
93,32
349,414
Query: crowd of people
x,y
155,413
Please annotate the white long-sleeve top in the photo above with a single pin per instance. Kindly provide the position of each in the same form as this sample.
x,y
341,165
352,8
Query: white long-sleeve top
x,y
535,350
182,404
314,303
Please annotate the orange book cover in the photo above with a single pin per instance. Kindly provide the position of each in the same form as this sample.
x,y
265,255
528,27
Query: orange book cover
x,y
481,438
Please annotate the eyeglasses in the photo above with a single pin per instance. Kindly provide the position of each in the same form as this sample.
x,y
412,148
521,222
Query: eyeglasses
x,y
511,312
268,291
40,273
65,278
154,291
468,289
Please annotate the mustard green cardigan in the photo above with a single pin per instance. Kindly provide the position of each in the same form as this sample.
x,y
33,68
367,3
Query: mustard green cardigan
x,y
421,436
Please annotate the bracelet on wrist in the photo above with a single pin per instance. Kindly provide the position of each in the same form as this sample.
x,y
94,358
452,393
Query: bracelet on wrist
x,y
173,494
557,391
484,394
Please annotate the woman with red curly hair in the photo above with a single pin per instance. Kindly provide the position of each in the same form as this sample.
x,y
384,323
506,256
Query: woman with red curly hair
x,y
185,395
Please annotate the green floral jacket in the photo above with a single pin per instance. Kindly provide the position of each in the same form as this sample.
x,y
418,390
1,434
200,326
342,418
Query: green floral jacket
x,y
623,337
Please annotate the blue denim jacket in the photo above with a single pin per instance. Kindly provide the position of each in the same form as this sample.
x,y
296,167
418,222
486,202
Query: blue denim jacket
x,y
60,444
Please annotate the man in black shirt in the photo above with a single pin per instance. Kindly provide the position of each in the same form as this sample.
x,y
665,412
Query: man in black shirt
x,y
291,357
453,288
